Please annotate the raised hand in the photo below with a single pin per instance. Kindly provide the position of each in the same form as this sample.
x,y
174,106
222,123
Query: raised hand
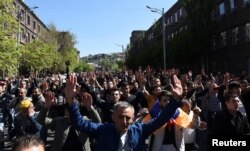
x,y
203,125
197,111
141,78
143,112
31,110
70,89
49,99
176,85
86,100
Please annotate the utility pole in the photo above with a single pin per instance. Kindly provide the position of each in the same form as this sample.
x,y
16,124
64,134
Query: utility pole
x,y
161,12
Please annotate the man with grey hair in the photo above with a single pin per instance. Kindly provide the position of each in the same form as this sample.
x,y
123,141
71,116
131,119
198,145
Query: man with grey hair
x,y
123,134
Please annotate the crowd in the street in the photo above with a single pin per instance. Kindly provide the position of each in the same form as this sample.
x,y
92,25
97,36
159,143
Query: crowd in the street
x,y
139,110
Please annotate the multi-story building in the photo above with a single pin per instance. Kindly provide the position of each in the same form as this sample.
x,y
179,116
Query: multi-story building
x,y
174,23
30,27
230,47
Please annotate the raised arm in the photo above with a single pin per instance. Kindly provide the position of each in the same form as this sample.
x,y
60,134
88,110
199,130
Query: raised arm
x,y
87,101
42,117
76,118
168,111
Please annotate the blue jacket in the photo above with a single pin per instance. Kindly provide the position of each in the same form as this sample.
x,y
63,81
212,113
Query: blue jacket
x,y
107,136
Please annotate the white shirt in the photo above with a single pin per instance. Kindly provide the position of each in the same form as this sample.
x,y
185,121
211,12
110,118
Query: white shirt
x,y
123,142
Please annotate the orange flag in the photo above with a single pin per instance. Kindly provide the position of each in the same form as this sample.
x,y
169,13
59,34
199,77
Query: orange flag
x,y
182,119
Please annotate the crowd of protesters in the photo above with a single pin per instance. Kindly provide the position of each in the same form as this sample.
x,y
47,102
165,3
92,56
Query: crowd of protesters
x,y
129,110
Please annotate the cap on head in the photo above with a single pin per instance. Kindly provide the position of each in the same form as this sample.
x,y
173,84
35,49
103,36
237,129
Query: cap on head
x,y
24,104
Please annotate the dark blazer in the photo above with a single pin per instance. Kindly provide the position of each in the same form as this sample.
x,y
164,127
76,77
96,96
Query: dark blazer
x,y
224,124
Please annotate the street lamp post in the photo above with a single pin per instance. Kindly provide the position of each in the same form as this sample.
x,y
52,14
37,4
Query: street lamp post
x,y
161,12
67,63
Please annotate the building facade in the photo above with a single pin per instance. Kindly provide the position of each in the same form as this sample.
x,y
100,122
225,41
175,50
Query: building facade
x,y
30,27
230,47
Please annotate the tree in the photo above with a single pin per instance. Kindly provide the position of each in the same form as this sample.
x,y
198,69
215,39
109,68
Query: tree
x,y
83,67
106,64
200,27
8,48
72,56
38,55
64,43
120,63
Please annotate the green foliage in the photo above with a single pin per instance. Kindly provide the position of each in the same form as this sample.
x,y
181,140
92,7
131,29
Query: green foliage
x,y
8,24
151,54
83,67
8,55
38,55
72,56
8,50
120,63
115,68
179,51
200,27
106,64
110,64
64,43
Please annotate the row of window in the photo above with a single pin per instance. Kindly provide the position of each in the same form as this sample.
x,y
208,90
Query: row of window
x,y
173,34
172,20
26,36
230,5
221,40
175,17
233,36
24,17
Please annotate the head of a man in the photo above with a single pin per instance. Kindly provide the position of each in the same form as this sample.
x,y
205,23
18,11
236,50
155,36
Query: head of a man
x,y
135,85
28,143
185,105
125,89
244,84
156,82
123,116
2,87
36,92
110,84
115,95
234,87
232,102
164,98
214,89
156,90
23,84
185,89
22,92
26,108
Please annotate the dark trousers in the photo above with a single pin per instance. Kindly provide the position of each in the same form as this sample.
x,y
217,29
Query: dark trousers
x,y
190,147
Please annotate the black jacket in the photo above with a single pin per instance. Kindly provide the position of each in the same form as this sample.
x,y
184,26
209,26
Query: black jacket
x,y
225,124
